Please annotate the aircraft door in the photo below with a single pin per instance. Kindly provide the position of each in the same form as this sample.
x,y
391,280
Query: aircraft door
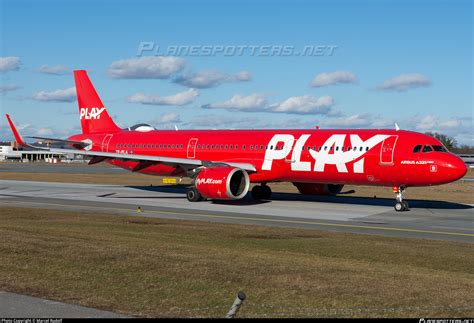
x,y
105,143
387,150
192,147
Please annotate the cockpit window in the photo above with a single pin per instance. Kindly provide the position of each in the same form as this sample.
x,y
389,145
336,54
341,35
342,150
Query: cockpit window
x,y
417,149
439,148
427,148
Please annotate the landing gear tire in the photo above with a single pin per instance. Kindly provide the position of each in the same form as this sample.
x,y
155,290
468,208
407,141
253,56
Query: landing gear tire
x,y
193,195
399,207
405,206
261,192
267,192
257,192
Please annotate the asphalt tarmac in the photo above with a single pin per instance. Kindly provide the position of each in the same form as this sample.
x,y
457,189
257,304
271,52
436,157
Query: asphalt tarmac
x,y
426,219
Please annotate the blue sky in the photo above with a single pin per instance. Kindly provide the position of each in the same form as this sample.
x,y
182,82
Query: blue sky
x,y
408,62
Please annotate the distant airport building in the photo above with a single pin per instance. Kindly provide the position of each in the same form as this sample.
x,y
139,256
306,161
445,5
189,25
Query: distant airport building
x,y
11,151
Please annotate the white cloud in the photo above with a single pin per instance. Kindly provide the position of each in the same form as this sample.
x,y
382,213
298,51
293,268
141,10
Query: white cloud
x,y
166,120
338,77
54,70
168,117
211,78
44,132
10,63
8,88
181,98
149,67
253,102
306,104
66,95
212,121
433,123
405,82
354,121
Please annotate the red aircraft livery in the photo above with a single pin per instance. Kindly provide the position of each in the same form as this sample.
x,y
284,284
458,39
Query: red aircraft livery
x,y
223,163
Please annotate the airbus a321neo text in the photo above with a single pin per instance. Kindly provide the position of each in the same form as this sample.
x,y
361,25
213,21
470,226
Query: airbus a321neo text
x,y
223,163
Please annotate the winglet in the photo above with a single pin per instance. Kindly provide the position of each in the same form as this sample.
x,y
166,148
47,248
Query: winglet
x,y
18,137
397,127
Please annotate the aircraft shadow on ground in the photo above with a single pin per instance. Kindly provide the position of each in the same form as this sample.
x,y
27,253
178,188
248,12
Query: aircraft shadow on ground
x,y
340,199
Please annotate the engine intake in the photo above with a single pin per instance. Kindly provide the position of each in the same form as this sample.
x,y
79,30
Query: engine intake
x,y
319,189
223,183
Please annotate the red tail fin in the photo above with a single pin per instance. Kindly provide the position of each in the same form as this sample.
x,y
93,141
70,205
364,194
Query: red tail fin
x,y
93,114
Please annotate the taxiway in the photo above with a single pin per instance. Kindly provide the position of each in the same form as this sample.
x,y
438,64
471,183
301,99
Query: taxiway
x,y
426,219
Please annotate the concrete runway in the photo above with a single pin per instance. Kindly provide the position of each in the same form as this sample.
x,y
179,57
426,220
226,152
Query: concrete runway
x,y
427,219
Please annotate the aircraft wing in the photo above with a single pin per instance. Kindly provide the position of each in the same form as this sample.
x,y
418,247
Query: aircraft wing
x,y
63,141
185,162
145,160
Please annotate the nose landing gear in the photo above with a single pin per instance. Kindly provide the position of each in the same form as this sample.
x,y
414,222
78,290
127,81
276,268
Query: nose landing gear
x,y
401,205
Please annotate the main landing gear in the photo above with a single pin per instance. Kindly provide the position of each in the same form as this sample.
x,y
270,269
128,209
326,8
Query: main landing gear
x,y
193,195
400,205
261,192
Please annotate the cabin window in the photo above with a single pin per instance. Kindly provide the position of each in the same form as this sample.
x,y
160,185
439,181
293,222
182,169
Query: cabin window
x,y
243,147
337,148
230,147
236,146
366,148
427,148
208,146
261,147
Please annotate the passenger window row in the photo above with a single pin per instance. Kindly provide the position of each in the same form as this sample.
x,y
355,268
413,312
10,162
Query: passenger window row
x,y
233,147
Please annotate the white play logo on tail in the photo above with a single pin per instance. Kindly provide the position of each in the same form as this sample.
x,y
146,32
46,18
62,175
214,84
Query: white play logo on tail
x,y
91,113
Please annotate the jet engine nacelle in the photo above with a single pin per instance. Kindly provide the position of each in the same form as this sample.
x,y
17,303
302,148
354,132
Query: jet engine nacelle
x,y
319,189
222,183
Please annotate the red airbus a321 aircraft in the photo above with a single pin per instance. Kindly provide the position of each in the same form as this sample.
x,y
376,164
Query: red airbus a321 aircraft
x,y
223,163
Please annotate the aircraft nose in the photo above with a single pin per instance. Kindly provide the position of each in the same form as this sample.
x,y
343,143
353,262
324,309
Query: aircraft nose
x,y
457,168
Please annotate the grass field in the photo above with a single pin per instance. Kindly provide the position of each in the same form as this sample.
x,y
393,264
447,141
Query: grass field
x,y
165,268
